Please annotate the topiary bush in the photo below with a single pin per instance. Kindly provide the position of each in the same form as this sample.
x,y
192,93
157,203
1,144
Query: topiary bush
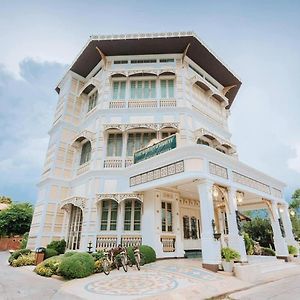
x,y
229,254
148,253
292,250
50,252
59,246
24,260
17,253
267,251
78,265
70,253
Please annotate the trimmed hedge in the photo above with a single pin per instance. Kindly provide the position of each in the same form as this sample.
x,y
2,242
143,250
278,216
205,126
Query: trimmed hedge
x,y
50,252
59,246
18,253
70,253
292,250
78,265
98,255
267,251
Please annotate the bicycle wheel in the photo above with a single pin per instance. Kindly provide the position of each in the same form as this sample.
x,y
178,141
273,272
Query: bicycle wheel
x,y
129,262
116,262
137,261
124,263
106,267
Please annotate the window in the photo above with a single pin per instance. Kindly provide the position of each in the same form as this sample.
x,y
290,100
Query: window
x,y
75,226
143,61
167,88
143,89
166,60
109,215
166,216
194,228
138,141
186,227
132,218
195,70
202,142
221,150
93,100
119,88
85,153
166,134
114,144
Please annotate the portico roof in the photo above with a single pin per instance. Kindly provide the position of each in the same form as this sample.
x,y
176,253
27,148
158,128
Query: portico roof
x,y
157,43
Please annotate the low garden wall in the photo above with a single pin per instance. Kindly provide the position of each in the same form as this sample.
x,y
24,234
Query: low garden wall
x,y
10,243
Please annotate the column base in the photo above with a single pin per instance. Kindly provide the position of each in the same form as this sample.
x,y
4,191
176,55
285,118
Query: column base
x,y
285,258
211,267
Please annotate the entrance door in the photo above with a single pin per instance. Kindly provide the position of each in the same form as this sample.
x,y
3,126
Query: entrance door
x,y
75,226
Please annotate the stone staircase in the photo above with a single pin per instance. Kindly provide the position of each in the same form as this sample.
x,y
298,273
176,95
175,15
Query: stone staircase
x,y
261,269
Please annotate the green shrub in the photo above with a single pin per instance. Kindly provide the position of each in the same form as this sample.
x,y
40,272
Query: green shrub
x,y
24,260
49,266
24,240
50,252
70,253
267,251
98,255
17,253
146,251
229,254
78,265
59,246
292,250
249,243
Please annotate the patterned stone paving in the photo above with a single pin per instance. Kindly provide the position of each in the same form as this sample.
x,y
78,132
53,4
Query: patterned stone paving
x,y
133,285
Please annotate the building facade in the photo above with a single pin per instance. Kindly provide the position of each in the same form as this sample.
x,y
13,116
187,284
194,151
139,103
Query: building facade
x,y
140,152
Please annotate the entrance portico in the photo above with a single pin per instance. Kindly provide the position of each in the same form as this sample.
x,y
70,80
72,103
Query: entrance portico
x,y
222,189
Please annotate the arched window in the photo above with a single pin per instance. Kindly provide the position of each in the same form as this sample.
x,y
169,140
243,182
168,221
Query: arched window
x,y
85,152
114,144
138,140
202,142
132,217
186,227
221,150
109,215
93,100
75,226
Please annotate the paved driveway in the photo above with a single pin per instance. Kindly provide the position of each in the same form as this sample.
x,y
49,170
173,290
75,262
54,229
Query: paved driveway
x,y
167,279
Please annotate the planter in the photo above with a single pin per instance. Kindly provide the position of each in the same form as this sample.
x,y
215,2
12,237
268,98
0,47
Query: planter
x,y
227,266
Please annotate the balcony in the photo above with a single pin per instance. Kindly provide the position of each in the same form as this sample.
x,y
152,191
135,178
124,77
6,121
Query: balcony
x,y
83,168
154,103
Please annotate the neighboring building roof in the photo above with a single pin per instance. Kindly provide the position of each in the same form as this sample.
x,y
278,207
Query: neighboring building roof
x,y
160,43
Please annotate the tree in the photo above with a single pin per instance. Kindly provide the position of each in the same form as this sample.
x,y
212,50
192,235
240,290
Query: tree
x,y
16,219
260,230
295,212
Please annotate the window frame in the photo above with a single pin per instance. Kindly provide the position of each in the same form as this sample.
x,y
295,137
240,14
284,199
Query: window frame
x,y
92,100
87,155
168,227
109,222
132,222
114,144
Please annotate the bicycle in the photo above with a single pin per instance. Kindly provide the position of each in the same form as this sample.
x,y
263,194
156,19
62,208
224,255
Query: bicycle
x,y
139,258
124,259
108,261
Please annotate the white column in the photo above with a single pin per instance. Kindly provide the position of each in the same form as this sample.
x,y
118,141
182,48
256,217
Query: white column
x,y
176,228
235,240
279,241
288,229
120,220
211,248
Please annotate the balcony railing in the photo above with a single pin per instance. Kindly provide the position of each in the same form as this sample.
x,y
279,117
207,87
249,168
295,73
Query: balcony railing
x,y
118,104
131,240
113,163
106,242
168,243
83,168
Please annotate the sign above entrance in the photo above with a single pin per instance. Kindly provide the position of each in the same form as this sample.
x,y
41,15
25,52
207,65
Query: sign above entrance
x,y
165,145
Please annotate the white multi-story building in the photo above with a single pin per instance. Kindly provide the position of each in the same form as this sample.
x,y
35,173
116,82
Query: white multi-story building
x,y
169,95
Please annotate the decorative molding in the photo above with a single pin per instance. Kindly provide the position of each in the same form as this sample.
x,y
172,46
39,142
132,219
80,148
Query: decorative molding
x,y
154,126
250,182
276,192
119,197
218,170
86,134
76,201
165,171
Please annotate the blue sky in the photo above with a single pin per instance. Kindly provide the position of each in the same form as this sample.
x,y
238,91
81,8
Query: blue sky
x,y
259,40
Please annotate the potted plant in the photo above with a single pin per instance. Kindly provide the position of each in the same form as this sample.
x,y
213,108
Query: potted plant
x,y
292,250
228,257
